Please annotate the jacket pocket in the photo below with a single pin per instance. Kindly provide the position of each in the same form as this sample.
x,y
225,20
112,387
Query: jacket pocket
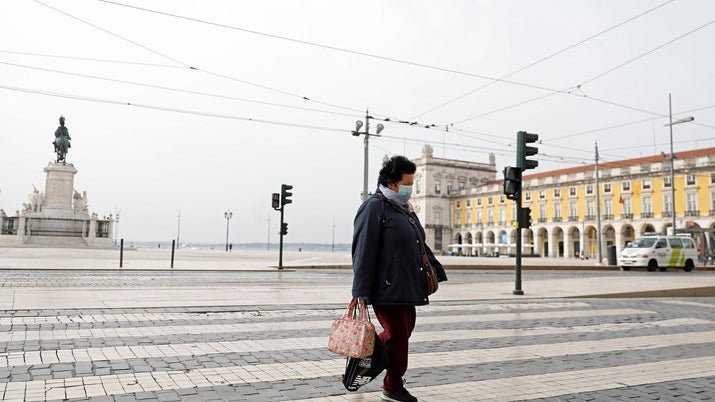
x,y
390,271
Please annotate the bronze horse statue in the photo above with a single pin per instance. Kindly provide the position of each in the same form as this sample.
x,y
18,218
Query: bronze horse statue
x,y
62,141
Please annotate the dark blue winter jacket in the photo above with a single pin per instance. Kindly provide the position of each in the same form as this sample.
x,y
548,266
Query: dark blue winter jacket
x,y
386,256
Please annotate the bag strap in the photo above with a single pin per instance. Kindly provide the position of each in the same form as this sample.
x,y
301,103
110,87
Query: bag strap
x,y
418,232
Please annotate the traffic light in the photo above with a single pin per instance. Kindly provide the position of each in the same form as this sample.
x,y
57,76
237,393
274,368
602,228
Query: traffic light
x,y
523,150
275,201
512,182
525,218
284,228
285,194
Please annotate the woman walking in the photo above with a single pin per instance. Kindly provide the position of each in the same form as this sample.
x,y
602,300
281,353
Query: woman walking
x,y
389,272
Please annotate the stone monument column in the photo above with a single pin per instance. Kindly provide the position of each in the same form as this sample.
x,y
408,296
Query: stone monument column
x,y
59,189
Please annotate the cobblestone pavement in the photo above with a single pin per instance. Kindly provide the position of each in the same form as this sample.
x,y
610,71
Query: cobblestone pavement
x,y
546,350
14,278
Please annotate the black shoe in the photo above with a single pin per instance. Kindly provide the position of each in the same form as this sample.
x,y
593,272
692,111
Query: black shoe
x,y
401,395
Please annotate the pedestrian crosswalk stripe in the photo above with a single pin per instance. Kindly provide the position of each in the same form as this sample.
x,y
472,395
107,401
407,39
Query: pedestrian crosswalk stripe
x,y
256,314
240,328
162,380
688,303
552,384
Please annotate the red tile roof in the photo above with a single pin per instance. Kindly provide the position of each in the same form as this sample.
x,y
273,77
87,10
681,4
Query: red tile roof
x,y
622,163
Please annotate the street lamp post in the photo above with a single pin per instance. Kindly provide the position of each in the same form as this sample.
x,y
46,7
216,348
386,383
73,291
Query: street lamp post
x,y
366,133
228,215
672,155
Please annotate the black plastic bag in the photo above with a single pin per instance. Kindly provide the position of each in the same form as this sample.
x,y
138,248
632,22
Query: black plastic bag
x,y
360,371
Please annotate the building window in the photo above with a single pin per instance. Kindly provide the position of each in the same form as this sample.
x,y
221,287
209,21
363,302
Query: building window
x,y
459,219
449,187
589,210
527,195
490,216
666,182
513,212
573,210
572,191
479,216
712,178
437,218
589,189
647,204
690,180
469,217
502,215
502,199
479,202
626,186
646,184
542,212
608,208
459,204
469,203
490,201
437,187
667,203
461,185
692,202
557,210
626,206
557,192
607,188
542,194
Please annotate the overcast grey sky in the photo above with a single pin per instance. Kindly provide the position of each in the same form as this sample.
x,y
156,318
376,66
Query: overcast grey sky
x,y
149,162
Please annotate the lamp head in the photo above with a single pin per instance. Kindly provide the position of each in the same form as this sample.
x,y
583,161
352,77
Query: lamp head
x,y
380,127
358,125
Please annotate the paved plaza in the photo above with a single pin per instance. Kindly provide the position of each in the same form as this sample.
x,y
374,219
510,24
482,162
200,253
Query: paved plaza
x,y
253,333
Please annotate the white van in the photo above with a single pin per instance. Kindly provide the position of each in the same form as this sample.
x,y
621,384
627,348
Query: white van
x,y
660,252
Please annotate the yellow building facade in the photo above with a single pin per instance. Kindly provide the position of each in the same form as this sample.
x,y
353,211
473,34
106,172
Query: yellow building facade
x,y
635,198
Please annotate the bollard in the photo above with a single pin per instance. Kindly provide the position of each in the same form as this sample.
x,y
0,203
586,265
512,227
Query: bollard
x,y
173,244
121,252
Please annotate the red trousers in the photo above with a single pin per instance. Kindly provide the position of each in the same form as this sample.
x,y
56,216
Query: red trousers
x,y
398,323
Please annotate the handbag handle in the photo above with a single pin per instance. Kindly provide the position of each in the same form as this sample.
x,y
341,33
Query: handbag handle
x,y
358,306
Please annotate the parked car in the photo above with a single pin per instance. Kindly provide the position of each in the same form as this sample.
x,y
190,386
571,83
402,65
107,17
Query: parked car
x,y
660,253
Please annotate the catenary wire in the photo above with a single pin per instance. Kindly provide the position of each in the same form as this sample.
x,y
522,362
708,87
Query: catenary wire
x,y
175,89
221,75
553,92
91,59
195,68
544,59
169,109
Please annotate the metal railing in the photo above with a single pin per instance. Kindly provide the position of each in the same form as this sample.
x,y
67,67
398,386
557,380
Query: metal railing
x,y
57,227
9,226
691,212
646,214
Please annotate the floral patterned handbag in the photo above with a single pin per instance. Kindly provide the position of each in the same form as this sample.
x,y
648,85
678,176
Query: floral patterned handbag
x,y
353,334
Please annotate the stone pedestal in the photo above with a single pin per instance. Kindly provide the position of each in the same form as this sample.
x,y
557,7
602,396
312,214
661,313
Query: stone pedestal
x,y
59,189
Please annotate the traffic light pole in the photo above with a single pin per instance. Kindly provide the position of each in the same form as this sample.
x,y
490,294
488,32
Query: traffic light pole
x,y
517,283
280,247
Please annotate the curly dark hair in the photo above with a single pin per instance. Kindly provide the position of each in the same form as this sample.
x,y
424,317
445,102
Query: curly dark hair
x,y
393,169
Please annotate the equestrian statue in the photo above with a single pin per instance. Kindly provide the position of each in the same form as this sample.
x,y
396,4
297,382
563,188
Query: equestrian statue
x,y
62,141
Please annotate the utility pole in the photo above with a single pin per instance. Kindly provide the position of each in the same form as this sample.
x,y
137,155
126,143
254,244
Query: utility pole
x,y
178,230
366,133
598,210
268,244
672,155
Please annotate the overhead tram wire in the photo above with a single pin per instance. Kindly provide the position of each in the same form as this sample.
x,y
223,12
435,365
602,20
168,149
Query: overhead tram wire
x,y
113,34
254,84
329,47
567,90
91,59
624,124
198,69
177,89
169,109
543,59
335,48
